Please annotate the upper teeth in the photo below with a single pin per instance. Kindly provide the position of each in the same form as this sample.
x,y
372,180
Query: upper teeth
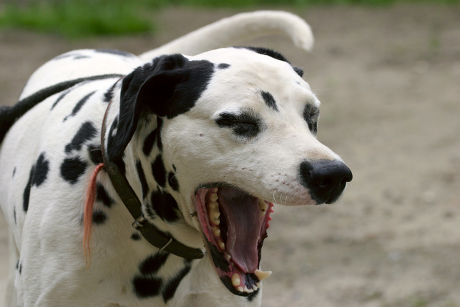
x,y
214,217
262,205
213,197
213,209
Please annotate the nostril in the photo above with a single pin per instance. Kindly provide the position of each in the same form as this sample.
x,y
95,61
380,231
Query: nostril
x,y
325,179
324,183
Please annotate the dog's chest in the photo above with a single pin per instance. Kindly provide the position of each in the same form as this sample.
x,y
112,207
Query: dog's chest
x,y
142,274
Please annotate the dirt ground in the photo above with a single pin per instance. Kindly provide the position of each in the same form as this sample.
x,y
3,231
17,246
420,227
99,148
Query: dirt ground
x,y
388,79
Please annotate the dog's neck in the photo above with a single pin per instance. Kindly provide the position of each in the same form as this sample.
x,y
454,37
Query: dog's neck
x,y
160,201
152,180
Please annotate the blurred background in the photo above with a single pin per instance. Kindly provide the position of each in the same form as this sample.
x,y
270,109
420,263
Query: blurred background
x,y
388,75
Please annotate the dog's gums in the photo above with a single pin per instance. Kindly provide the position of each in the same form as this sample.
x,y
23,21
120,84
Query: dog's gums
x,y
234,225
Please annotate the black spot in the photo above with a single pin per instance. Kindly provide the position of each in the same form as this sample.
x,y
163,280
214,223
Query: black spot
x,y
173,181
102,196
14,171
140,173
17,264
148,142
267,52
99,217
171,286
26,194
174,167
223,66
244,124
41,170
165,206
147,286
252,295
275,55
86,132
159,171
153,263
109,94
14,214
310,114
80,57
159,126
79,105
37,175
20,268
72,169
135,236
298,70
95,154
60,98
115,52
269,100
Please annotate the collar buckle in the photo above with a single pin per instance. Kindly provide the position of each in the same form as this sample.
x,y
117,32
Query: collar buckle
x,y
139,222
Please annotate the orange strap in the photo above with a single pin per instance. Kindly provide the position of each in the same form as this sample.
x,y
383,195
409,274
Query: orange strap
x,y
88,211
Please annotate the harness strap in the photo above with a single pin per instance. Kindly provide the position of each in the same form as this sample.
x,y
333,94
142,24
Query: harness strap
x,y
9,114
149,231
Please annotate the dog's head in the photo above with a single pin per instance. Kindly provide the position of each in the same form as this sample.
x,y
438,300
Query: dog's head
x,y
235,131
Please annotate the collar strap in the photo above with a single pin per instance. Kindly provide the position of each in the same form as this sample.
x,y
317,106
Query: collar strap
x,y
149,231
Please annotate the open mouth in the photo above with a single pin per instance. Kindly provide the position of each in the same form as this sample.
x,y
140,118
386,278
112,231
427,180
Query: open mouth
x,y
234,224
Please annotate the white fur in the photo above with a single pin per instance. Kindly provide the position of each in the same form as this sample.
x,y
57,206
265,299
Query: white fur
x,y
48,238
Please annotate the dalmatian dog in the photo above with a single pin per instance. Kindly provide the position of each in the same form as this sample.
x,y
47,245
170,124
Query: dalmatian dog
x,y
203,144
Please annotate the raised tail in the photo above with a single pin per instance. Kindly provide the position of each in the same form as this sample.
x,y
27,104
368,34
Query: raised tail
x,y
234,29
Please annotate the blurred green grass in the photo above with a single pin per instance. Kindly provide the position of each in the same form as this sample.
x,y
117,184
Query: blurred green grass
x,y
245,3
77,18
82,18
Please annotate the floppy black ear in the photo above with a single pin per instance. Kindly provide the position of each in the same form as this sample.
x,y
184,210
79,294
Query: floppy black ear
x,y
167,87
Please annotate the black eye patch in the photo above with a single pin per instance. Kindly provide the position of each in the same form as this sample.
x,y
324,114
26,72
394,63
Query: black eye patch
x,y
310,114
245,124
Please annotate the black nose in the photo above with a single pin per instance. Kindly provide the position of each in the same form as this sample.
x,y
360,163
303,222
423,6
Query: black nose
x,y
325,179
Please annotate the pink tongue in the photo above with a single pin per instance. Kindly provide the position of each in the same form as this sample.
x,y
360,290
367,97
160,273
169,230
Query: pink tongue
x,y
243,227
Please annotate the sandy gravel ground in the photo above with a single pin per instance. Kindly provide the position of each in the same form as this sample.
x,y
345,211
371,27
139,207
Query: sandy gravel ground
x,y
389,80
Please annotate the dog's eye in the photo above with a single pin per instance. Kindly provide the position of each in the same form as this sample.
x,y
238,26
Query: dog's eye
x,y
244,124
311,114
